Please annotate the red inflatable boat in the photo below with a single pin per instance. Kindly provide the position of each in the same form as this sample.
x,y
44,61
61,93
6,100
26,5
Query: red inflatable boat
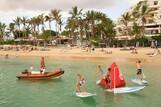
x,y
39,75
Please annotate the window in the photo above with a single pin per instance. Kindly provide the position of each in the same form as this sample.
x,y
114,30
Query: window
x,y
155,9
151,21
155,2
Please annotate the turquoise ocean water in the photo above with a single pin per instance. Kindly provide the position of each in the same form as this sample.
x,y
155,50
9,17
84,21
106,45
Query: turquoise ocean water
x,y
61,92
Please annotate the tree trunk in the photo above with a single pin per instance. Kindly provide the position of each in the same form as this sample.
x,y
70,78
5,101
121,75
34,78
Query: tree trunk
x,y
81,37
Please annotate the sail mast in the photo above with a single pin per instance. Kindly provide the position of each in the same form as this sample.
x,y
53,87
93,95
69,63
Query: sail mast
x,y
114,81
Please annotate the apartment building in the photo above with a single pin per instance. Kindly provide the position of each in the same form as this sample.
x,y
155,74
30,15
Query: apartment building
x,y
153,25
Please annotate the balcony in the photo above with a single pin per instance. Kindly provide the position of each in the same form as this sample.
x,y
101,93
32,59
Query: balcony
x,y
152,29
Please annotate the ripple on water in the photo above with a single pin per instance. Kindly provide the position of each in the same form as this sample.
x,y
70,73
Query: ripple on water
x,y
60,93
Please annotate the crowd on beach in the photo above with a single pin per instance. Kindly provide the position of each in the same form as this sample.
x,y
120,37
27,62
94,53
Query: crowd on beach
x,y
30,50
27,48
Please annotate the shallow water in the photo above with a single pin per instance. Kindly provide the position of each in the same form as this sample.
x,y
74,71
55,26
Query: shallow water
x,y
61,92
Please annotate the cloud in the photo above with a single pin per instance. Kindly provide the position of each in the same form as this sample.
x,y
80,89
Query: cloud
x,y
132,2
60,4
9,9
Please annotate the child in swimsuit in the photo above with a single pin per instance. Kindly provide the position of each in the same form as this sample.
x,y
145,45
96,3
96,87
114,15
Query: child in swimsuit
x,y
80,82
139,70
107,76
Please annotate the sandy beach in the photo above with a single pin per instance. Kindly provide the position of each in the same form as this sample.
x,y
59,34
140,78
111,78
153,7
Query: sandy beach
x,y
79,53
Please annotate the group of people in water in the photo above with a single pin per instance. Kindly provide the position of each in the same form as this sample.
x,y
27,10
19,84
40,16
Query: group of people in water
x,y
106,76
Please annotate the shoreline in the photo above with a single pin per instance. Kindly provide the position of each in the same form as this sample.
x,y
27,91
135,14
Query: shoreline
x,y
78,53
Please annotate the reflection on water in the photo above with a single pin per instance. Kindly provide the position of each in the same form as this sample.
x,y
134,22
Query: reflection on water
x,y
61,92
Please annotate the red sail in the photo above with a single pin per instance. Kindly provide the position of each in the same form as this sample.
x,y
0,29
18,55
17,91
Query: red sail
x,y
117,79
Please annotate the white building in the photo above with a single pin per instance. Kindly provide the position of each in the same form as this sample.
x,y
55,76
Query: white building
x,y
8,35
153,25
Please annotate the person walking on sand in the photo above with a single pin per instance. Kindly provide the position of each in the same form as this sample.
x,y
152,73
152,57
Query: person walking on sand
x,y
139,70
42,65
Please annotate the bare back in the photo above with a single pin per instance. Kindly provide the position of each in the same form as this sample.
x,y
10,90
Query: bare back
x,y
139,65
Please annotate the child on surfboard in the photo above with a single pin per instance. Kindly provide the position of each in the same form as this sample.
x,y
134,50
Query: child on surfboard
x,y
139,70
80,83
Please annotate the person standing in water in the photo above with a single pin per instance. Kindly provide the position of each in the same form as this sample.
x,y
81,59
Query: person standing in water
x,y
42,65
80,82
139,70
100,71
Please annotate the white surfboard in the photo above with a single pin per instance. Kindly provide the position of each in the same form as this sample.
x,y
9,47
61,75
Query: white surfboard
x,y
140,82
125,89
84,94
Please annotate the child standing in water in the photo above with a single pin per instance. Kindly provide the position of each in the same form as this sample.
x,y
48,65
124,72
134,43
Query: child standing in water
x,y
139,70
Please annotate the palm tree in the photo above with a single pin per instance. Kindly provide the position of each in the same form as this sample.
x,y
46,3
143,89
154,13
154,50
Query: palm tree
x,y
94,18
42,20
24,21
17,22
71,27
81,29
48,19
76,15
136,30
2,30
60,23
141,13
144,14
126,18
57,17
135,12
32,24
12,27
38,22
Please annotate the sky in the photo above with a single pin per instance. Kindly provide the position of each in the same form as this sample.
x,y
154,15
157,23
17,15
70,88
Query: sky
x,y
9,9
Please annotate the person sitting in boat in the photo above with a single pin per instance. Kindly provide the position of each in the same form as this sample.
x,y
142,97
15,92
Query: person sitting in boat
x,y
31,68
139,70
106,77
42,63
25,71
80,82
